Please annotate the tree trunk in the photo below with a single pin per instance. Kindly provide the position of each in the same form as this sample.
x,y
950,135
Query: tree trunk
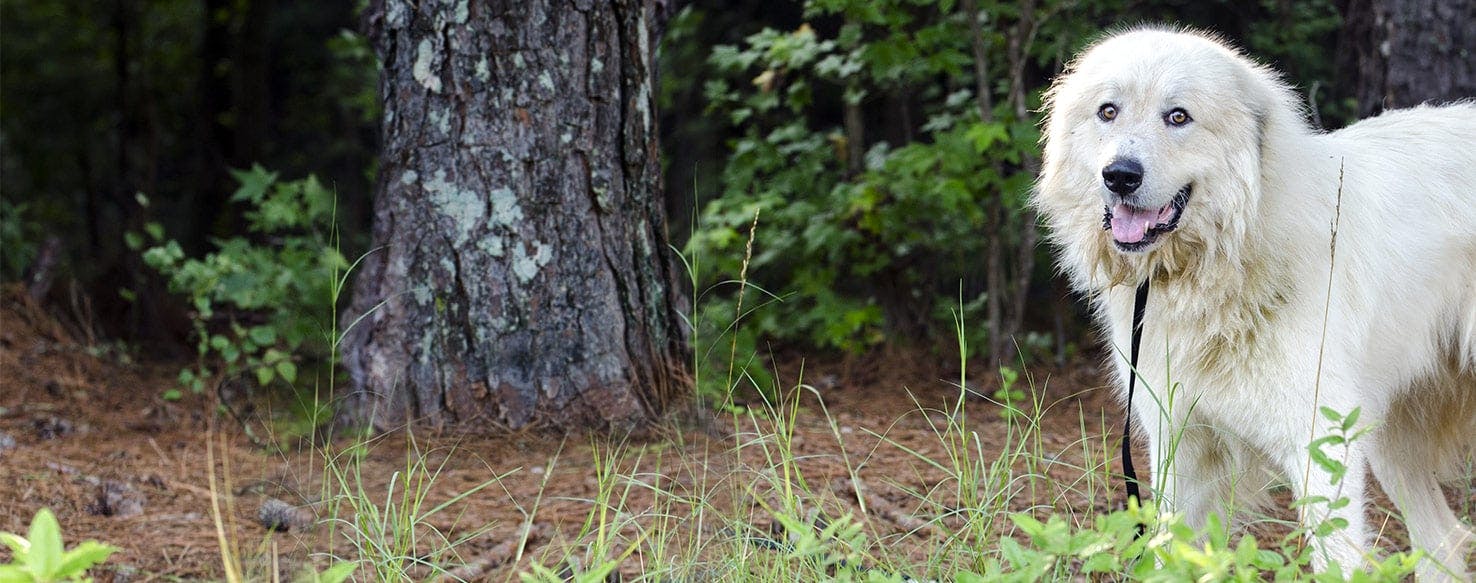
x,y
521,275
1400,53
1020,40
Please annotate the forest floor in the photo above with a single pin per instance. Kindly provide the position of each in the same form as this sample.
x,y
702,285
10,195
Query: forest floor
x,y
83,431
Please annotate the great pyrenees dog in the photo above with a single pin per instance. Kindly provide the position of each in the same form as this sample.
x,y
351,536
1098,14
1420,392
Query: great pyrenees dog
x,y
1291,270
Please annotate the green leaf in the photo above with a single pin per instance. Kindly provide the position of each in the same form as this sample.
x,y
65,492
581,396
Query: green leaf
x,y
46,544
18,546
15,574
155,230
264,375
133,240
984,135
338,573
78,560
172,395
1101,563
288,371
254,184
263,335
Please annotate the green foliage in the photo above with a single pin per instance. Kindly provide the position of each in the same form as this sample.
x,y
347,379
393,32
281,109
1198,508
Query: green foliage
x,y
1294,40
836,549
17,240
336,573
1170,551
260,303
41,558
1343,431
858,249
1008,395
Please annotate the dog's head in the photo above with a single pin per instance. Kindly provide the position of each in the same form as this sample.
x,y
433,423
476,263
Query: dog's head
x,y
1153,145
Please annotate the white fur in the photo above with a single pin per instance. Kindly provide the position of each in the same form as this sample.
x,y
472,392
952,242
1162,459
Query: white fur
x,y
1243,341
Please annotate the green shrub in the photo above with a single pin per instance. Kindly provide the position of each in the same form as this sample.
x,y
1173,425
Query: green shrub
x,y
41,558
856,246
261,302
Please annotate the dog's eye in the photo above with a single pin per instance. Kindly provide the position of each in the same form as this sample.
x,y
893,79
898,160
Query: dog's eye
x,y
1177,117
1107,112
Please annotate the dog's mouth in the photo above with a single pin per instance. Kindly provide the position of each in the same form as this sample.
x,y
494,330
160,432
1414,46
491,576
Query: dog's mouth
x,y
1134,229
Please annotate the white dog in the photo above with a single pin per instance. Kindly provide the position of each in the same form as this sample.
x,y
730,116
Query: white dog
x,y
1171,155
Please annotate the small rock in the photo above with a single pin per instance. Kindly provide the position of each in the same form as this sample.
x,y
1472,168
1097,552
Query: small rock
x,y
7,442
117,499
280,516
124,573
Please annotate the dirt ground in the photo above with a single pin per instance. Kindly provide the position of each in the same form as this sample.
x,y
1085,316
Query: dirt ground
x,y
84,432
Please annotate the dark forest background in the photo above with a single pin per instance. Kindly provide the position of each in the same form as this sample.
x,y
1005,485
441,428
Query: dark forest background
x,y
154,158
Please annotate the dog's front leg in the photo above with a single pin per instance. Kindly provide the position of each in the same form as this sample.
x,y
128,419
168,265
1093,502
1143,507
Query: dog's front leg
x,y
1189,472
1321,488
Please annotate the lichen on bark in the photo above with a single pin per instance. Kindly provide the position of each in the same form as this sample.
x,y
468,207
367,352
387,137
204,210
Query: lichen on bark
x,y
523,275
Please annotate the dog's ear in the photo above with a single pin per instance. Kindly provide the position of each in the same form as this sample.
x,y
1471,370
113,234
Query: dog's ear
x,y
1272,103
1274,110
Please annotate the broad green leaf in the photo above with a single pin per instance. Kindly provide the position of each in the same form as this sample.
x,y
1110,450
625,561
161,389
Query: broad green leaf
x,y
46,544
18,546
263,335
78,560
288,371
15,574
254,184
338,573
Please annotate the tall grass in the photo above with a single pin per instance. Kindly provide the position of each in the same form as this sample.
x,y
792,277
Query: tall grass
x,y
763,505
779,488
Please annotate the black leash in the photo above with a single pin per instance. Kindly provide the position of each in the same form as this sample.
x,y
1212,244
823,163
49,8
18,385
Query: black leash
x,y
1139,303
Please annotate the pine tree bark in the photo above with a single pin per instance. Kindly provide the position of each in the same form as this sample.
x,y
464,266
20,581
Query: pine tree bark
x,y
522,276
1400,53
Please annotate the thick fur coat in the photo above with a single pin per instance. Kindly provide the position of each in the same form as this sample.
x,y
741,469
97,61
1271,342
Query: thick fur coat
x,y
1292,270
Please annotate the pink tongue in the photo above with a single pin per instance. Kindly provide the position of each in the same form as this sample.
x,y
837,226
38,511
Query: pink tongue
x,y
1129,225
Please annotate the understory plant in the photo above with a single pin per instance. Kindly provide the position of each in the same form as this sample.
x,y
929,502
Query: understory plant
x,y
262,301
860,238
39,557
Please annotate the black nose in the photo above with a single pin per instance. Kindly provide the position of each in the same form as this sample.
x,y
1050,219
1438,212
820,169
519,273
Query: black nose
x,y
1123,176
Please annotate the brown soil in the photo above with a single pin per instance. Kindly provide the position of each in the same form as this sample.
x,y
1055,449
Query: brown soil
x,y
84,432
